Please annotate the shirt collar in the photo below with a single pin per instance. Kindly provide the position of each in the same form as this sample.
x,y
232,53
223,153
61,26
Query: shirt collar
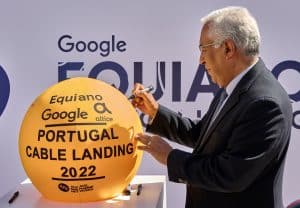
x,y
233,83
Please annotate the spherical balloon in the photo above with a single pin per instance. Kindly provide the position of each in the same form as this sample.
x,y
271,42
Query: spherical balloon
x,y
76,141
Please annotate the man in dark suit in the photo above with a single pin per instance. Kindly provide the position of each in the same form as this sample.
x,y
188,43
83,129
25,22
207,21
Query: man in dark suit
x,y
239,146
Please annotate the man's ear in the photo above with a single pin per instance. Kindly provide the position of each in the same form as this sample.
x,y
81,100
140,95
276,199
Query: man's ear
x,y
226,49
229,48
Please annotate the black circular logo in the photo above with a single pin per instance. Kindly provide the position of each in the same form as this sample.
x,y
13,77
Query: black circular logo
x,y
63,187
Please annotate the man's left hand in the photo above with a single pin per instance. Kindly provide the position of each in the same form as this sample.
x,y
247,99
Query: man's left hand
x,y
156,146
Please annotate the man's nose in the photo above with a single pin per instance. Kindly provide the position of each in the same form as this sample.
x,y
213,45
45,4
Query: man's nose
x,y
201,59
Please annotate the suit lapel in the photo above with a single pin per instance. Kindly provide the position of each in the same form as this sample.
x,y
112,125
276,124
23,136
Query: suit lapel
x,y
210,113
232,101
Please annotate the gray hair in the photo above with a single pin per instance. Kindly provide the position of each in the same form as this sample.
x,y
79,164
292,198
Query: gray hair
x,y
235,23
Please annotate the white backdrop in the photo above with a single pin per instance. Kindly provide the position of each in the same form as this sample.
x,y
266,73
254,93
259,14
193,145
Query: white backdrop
x,y
148,33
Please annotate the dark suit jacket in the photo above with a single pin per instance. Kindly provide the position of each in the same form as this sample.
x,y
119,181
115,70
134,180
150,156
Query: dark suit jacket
x,y
239,161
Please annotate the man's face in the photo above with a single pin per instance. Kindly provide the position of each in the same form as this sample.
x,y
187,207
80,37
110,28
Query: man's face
x,y
212,56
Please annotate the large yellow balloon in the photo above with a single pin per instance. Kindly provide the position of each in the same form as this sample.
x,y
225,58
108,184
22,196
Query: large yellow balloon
x,y
76,141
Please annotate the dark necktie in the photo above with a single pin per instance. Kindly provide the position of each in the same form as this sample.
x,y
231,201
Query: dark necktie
x,y
222,97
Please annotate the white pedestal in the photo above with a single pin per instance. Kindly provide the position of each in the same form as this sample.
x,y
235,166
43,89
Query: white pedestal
x,y
153,195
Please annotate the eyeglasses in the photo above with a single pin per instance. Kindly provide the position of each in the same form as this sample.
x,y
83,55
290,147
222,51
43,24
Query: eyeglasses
x,y
213,44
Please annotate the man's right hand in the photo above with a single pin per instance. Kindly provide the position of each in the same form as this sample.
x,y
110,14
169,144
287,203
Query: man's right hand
x,y
144,101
